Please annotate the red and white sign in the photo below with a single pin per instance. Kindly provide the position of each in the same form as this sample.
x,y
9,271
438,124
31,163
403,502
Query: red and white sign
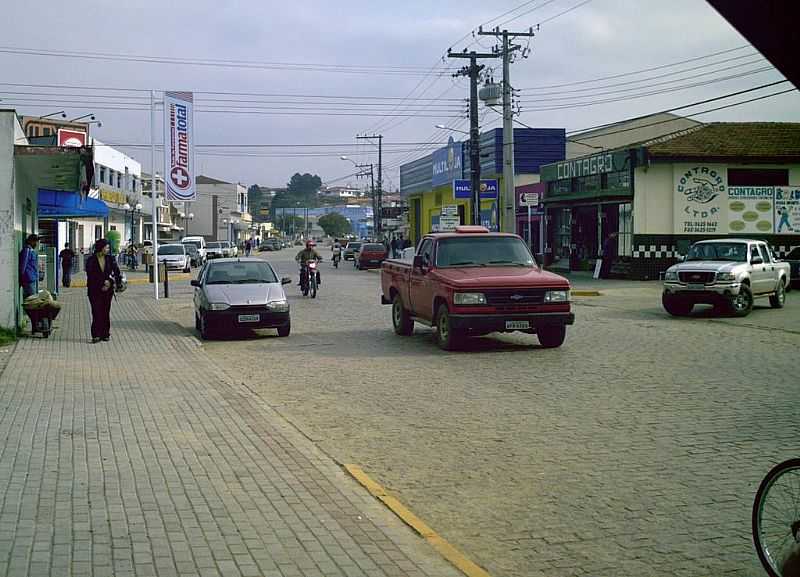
x,y
179,146
68,137
529,199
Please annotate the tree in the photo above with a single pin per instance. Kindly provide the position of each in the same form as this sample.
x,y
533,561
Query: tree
x,y
255,198
335,225
304,185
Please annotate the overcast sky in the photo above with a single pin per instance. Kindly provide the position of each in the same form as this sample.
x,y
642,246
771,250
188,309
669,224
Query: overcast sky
x,y
599,39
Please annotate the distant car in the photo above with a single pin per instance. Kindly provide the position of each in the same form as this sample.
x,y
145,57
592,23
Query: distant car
x,y
233,250
174,256
215,249
194,254
351,249
199,242
793,258
240,294
270,244
371,255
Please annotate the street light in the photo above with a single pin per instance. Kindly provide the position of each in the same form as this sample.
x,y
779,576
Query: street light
x,y
82,117
61,112
443,127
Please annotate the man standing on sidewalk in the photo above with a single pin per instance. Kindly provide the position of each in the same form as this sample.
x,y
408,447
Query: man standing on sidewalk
x,y
609,254
67,257
29,267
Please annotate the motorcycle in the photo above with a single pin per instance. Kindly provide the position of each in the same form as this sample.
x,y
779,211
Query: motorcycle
x,y
309,279
337,256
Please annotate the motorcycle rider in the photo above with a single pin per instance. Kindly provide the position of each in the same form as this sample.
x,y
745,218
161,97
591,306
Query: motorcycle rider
x,y
305,255
337,251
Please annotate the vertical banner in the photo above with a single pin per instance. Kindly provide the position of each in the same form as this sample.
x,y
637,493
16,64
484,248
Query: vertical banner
x,y
750,209
179,147
700,202
787,210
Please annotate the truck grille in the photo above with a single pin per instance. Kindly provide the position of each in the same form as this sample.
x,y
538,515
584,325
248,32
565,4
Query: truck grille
x,y
514,297
697,277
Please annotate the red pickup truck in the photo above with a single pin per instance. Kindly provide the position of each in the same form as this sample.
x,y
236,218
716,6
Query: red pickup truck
x,y
472,282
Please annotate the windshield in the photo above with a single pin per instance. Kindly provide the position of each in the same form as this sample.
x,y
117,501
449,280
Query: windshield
x,y
728,251
483,251
241,273
215,245
170,249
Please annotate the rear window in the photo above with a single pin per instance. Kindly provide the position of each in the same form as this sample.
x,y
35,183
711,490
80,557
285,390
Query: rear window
x,y
168,249
215,245
194,243
373,248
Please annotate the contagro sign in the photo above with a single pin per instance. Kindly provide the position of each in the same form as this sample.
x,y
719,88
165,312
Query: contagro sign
x,y
597,164
179,149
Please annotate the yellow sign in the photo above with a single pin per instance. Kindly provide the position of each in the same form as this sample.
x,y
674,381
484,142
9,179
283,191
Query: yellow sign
x,y
113,196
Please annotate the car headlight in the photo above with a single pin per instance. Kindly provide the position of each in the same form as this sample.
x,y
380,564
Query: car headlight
x,y
726,276
469,299
560,296
219,306
278,306
671,275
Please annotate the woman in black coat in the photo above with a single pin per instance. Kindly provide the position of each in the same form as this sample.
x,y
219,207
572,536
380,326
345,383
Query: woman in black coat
x,y
102,276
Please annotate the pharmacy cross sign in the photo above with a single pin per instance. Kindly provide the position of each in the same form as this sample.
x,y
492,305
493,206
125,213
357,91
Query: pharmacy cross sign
x,y
179,176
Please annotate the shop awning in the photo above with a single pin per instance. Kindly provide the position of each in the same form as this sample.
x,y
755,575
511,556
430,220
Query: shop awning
x,y
65,204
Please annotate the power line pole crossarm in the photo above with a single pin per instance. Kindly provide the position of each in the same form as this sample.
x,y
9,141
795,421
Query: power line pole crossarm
x,y
473,71
509,197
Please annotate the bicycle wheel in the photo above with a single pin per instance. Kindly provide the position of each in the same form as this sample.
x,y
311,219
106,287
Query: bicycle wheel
x,y
776,516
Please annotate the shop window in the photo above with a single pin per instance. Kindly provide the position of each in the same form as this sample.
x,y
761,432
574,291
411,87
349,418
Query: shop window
x,y
119,180
618,179
625,238
98,231
102,173
563,228
758,177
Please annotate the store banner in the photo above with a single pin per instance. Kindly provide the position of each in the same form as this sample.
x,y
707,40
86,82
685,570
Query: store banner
x,y
787,210
750,209
701,198
447,163
179,147
462,188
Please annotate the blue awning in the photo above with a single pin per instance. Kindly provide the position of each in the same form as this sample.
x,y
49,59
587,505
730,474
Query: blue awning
x,y
66,204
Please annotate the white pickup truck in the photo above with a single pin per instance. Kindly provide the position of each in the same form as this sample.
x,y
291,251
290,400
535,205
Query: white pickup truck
x,y
727,273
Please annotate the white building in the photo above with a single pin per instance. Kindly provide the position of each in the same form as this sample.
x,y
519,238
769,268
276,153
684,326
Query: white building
x,y
340,192
220,211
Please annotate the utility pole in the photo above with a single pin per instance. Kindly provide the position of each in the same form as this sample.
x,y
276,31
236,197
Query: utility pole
x,y
375,216
509,196
377,195
473,71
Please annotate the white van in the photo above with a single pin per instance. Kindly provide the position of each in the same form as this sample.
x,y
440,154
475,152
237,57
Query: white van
x,y
200,243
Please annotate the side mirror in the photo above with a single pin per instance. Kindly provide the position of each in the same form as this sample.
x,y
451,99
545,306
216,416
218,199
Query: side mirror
x,y
757,260
286,280
195,282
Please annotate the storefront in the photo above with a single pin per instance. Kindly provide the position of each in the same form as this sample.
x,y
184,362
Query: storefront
x,y
437,185
710,181
586,200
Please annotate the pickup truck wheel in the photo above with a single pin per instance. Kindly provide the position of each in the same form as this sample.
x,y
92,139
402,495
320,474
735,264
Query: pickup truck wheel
x,y
742,304
777,300
552,337
403,325
447,338
676,306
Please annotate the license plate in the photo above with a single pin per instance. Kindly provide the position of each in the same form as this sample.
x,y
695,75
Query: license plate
x,y
249,318
518,325
696,287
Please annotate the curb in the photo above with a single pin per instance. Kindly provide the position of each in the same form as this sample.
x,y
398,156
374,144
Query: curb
x,y
445,549
137,281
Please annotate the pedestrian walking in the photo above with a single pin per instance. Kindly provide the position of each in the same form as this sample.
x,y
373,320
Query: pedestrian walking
x,y
394,245
609,254
102,277
248,246
67,257
29,267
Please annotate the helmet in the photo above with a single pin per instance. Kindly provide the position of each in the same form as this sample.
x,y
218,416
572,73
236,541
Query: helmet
x,y
310,244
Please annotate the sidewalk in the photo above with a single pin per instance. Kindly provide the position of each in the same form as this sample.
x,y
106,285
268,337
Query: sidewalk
x,y
140,457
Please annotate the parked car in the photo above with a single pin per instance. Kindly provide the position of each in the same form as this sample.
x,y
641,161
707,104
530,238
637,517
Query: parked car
x,y
174,256
727,273
216,249
793,258
199,242
233,250
194,254
371,255
270,244
240,294
350,250
472,282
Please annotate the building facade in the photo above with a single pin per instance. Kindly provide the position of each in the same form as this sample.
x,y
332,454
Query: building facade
x,y
220,211
707,181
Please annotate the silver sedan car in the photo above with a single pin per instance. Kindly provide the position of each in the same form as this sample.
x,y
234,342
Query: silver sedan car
x,y
243,293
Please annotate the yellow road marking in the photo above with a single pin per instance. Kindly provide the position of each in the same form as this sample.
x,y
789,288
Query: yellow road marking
x,y
445,549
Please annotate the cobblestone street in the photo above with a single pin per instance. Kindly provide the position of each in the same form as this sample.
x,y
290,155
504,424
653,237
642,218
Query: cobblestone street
x,y
635,449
